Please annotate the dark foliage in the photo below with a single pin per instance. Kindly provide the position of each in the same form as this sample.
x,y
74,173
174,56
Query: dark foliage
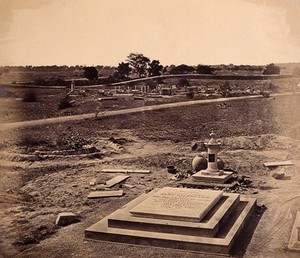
x,y
29,96
91,73
271,69
155,68
64,103
183,82
123,70
181,69
204,69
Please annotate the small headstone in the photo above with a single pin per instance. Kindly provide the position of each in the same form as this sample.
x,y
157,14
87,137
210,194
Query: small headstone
x,y
65,218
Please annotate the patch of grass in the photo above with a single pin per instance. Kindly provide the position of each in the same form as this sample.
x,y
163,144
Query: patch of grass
x,y
30,141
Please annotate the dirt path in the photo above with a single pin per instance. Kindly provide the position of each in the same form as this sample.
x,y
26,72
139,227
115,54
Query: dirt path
x,y
47,121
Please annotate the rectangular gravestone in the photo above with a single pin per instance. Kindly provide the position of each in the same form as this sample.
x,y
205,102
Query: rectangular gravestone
x,y
294,242
278,163
103,194
178,204
112,182
111,170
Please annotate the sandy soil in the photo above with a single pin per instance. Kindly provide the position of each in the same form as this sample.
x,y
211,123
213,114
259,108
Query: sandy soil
x,y
47,170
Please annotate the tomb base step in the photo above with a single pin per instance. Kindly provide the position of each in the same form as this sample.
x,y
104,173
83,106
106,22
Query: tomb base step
x,y
221,240
208,226
199,176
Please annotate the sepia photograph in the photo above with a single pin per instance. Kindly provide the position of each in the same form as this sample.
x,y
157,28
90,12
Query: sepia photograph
x,y
149,128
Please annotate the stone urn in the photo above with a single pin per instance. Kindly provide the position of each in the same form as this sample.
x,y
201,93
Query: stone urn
x,y
199,163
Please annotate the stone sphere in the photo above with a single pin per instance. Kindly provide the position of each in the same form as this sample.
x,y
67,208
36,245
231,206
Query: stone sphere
x,y
199,163
221,164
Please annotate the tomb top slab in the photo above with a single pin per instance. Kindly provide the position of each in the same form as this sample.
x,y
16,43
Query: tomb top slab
x,y
178,204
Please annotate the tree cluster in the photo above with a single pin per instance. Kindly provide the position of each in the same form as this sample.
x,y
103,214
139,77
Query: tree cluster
x,y
137,65
271,69
182,69
91,73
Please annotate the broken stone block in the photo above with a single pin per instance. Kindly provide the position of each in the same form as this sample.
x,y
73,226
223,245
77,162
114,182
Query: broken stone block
x,y
278,175
65,218
93,182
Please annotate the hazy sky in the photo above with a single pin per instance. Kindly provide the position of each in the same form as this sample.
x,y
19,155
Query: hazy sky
x,y
91,32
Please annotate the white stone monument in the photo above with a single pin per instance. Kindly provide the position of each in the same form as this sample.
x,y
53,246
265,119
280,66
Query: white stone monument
x,y
212,150
72,85
212,173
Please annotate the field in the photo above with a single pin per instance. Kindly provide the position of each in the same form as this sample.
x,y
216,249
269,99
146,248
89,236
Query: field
x,y
47,169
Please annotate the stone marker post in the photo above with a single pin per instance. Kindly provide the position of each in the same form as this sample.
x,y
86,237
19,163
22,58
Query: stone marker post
x,y
212,158
72,85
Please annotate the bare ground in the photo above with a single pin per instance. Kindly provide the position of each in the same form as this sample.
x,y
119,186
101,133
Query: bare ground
x,y
42,175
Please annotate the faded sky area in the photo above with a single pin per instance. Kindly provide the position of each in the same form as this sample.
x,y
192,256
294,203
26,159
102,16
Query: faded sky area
x,y
91,32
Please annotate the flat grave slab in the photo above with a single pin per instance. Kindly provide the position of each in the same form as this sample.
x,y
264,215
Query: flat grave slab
x,y
294,242
279,163
103,194
178,203
137,171
112,182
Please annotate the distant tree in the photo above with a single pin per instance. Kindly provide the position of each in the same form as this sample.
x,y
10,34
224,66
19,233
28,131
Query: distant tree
x,y
152,85
271,69
180,69
139,63
155,68
204,69
123,70
116,77
159,80
91,73
165,69
183,82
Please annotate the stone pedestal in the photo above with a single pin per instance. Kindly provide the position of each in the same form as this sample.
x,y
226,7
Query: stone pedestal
x,y
180,218
212,156
203,176
212,174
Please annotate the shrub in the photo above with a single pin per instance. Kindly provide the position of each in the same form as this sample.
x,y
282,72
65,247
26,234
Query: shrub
x,y
29,140
265,94
29,96
190,94
271,69
64,103
183,82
